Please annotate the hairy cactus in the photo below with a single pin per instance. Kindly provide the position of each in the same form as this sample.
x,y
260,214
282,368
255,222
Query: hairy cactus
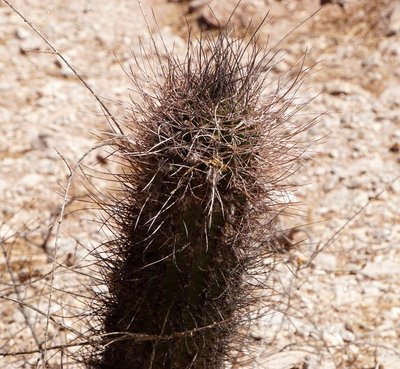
x,y
205,156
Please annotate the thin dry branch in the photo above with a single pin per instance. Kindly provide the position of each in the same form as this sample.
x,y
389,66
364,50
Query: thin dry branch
x,y
81,79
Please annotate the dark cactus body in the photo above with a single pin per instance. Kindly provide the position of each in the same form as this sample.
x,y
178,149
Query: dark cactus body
x,y
202,166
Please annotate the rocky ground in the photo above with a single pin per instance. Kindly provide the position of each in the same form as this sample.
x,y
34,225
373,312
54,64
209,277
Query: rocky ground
x,y
339,289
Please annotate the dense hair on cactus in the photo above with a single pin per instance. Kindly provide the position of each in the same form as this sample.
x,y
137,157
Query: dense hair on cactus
x,y
205,155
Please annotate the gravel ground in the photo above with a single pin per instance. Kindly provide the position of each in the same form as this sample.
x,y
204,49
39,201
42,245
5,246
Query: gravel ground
x,y
339,300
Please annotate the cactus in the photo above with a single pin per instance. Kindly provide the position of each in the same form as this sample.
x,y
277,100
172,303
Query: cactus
x,y
205,156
